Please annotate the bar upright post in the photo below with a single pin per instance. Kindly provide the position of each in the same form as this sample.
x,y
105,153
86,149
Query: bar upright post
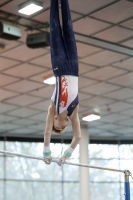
x,y
127,184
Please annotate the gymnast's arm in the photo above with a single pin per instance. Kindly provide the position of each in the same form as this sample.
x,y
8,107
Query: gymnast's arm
x,y
76,128
76,136
49,124
47,134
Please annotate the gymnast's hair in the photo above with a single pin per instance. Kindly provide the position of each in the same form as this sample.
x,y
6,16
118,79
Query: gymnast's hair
x,y
54,130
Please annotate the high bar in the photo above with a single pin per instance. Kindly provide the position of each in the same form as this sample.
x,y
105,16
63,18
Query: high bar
x,y
56,161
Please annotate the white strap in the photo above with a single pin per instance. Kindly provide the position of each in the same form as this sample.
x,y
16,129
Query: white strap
x,y
46,148
70,150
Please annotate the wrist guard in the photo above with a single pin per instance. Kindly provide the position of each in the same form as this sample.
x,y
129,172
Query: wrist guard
x,y
47,153
68,152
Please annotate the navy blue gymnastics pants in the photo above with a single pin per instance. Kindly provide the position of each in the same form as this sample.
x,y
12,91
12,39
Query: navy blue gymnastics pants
x,y
63,48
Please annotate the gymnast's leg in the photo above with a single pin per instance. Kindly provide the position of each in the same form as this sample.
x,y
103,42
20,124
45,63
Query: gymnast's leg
x,y
58,52
68,34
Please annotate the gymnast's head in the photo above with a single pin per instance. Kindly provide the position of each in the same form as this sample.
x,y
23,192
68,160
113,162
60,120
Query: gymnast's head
x,y
60,125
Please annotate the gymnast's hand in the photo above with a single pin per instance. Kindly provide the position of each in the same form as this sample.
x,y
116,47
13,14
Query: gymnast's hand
x,y
67,154
62,160
47,157
48,161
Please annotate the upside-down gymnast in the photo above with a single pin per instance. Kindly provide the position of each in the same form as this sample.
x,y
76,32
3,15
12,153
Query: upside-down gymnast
x,y
64,101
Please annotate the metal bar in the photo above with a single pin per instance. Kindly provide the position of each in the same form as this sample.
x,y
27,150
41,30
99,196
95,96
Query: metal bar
x,y
56,161
104,44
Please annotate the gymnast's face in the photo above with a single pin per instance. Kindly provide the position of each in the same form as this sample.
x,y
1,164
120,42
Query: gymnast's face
x,y
60,124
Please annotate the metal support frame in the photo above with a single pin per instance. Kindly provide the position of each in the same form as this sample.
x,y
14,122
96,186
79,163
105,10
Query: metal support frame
x,y
127,173
127,184
40,26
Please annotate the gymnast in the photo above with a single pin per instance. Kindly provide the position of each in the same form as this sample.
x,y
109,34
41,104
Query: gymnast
x,y
64,101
